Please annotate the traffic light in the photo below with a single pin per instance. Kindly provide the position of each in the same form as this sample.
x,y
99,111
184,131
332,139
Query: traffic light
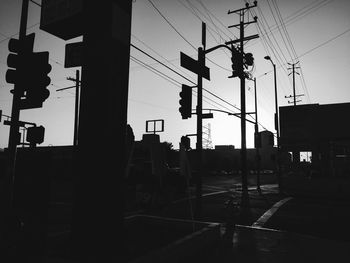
x,y
249,59
16,60
186,142
237,66
35,135
37,80
185,102
28,70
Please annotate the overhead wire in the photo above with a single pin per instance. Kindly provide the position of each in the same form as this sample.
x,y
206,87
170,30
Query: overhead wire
x,y
172,26
269,46
158,54
323,43
293,50
279,29
175,82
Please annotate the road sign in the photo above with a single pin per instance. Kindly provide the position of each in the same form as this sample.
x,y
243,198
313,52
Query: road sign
x,y
194,66
207,116
155,128
62,18
73,55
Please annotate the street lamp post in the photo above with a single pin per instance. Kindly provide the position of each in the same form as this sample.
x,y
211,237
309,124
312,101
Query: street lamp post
x,y
276,124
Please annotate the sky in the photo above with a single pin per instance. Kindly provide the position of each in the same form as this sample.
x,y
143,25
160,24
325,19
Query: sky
x,y
315,33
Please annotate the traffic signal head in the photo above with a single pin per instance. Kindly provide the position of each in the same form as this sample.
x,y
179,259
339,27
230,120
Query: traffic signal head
x,y
249,59
35,134
186,142
237,65
16,58
37,80
185,102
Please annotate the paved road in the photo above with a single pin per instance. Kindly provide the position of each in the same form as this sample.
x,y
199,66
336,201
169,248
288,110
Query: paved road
x,y
278,225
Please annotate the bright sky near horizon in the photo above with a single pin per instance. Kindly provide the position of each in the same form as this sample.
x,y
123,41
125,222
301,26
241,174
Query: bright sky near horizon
x,y
314,32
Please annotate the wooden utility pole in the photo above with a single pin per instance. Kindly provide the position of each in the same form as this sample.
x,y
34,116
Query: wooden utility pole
x,y
296,154
76,106
242,76
294,96
257,146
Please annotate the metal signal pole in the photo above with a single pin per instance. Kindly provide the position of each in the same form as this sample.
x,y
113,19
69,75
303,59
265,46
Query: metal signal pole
x,y
15,113
199,145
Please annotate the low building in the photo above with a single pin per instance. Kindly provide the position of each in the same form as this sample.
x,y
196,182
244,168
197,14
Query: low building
x,y
318,136
229,157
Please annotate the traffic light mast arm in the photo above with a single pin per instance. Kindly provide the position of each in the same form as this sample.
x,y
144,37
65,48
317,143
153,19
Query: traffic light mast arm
x,y
216,47
230,113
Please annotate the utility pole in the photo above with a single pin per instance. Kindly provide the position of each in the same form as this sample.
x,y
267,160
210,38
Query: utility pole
x,y
294,96
296,154
242,76
76,111
257,145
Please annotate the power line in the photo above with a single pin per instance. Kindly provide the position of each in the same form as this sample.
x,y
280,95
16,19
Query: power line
x,y
193,12
8,38
267,42
139,49
161,74
172,26
150,56
293,49
279,28
324,43
165,59
210,13
171,80
35,3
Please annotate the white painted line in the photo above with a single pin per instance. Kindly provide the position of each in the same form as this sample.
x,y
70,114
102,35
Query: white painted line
x,y
261,228
172,219
214,187
193,197
263,219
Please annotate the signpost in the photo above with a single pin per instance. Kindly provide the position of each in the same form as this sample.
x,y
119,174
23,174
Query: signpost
x,y
62,18
73,55
193,65
198,67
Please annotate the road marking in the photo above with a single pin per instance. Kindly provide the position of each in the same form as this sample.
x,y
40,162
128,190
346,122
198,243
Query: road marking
x,y
263,219
214,187
203,195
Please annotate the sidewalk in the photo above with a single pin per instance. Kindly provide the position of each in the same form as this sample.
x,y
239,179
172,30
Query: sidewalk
x,y
252,244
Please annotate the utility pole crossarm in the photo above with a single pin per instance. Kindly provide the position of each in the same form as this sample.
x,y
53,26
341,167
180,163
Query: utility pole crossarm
x,y
244,39
73,79
243,9
246,23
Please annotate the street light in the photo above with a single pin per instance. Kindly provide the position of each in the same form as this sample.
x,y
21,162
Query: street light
x,y
276,122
